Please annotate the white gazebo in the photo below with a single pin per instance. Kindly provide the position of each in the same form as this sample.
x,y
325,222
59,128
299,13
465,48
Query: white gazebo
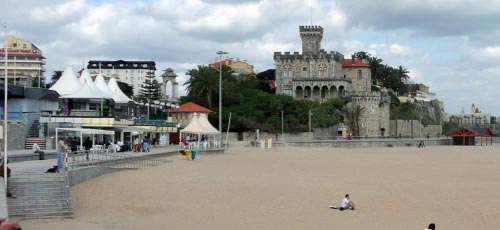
x,y
199,126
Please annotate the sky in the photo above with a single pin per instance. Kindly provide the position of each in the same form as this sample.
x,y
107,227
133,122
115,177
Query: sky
x,y
452,46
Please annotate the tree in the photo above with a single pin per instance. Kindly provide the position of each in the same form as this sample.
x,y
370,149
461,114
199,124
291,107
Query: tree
x,y
204,82
352,115
150,89
126,89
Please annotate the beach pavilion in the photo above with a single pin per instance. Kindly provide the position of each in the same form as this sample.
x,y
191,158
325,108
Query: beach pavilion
x,y
199,127
468,136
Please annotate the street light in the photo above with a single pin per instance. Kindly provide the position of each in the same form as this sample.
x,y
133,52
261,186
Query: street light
x,y
220,53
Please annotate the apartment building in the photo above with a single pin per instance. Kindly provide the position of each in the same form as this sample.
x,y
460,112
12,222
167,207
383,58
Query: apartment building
x,y
130,72
25,62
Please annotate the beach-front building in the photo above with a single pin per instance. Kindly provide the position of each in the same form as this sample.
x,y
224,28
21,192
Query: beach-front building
x,y
471,136
315,74
25,61
239,67
475,118
87,103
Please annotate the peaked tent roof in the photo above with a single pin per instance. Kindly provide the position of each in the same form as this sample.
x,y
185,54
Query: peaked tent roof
x,y
118,94
86,92
67,83
200,125
85,76
101,85
191,107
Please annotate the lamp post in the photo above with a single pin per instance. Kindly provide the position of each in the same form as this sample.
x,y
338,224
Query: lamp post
x,y
220,53
5,110
282,138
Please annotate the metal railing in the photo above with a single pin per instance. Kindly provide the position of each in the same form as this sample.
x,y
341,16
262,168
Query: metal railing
x,y
110,158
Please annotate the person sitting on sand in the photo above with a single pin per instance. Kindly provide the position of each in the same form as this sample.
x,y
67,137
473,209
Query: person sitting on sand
x,y
346,204
431,226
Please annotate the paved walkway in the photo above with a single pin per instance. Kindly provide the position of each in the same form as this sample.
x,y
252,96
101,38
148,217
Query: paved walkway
x,y
40,166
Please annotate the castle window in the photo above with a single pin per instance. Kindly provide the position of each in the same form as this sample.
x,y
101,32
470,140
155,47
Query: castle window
x,y
360,75
304,72
287,71
322,70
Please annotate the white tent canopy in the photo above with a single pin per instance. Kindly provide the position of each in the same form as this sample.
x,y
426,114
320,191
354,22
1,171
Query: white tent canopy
x,y
86,92
102,86
67,83
118,95
85,76
200,125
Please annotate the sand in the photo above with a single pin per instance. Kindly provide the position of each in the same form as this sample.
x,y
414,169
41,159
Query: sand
x,y
291,188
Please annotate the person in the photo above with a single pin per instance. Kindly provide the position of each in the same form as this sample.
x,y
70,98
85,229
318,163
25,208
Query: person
x,y
87,144
153,142
74,145
61,149
346,204
9,224
120,145
431,226
276,137
145,144
36,150
9,189
136,144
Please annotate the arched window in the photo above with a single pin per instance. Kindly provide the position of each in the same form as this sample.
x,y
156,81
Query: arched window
x,y
321,70
287,71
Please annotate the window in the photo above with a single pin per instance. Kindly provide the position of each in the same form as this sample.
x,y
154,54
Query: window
x,y
110,65
24,46
360,75
121,65
322,70
14,45
94,65
145,65
304,72
135,65
287,71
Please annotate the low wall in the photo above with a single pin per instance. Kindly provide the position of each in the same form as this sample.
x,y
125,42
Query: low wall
x,y
3,201
367,143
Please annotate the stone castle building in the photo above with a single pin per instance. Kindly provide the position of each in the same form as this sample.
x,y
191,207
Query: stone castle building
x,y
318,75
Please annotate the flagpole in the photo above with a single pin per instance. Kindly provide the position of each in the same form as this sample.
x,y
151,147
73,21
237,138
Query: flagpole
x,y
5,111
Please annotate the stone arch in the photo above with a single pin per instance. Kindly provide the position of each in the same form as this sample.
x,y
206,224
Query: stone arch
x,y
307,92
168,88
299,92
341,91
324,92
316,92
333,92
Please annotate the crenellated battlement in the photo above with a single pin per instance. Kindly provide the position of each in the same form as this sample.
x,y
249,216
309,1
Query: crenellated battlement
x,y
311,29
332,55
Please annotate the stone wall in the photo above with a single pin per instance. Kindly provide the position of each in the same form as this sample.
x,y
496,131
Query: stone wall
x,y
16,135
366,143
413,128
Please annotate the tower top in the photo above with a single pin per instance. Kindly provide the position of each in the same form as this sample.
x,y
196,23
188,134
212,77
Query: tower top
x,y
311,38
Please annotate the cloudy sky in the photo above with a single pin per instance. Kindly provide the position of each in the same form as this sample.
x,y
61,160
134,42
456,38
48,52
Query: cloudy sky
x,y
453,46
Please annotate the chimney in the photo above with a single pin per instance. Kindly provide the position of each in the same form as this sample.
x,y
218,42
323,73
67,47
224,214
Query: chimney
x,y
352,59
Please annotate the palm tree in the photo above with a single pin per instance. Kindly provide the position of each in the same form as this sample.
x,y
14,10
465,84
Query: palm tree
x,y
203,83
403,72
352,115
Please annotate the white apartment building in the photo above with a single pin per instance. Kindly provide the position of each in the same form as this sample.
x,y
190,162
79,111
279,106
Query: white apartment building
x,y
131,72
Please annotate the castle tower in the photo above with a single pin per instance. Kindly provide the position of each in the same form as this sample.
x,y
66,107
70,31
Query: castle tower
x,y
473,108
311,38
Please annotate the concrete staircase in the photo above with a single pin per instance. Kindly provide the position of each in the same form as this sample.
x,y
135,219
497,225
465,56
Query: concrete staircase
x,y
39,196
34,129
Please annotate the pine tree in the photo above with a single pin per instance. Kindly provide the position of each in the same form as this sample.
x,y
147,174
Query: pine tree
x,y
150,89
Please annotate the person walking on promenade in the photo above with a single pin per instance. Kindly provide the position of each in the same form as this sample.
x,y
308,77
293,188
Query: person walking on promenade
x,y
87,144
145,144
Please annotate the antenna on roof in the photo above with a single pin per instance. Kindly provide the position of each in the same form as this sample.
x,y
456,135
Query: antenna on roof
x,y
311,11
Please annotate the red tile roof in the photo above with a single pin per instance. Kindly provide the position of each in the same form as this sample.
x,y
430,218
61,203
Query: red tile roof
x,y
357,64
191,107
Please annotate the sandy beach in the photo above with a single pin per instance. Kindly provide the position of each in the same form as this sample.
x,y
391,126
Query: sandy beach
x,y
291,188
